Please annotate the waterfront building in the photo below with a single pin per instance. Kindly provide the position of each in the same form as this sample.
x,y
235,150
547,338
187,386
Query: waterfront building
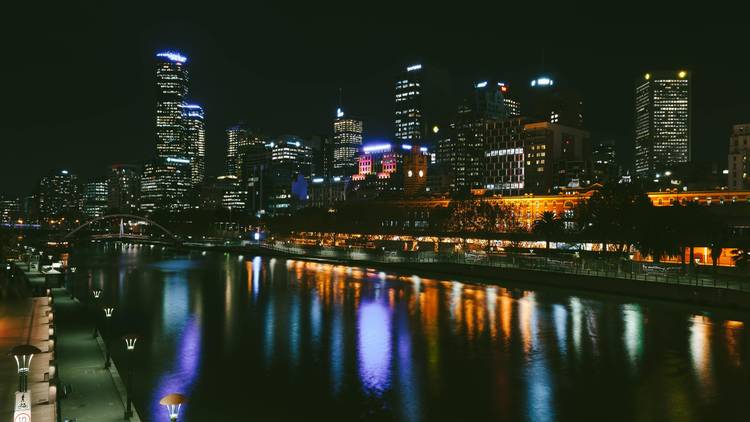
x,y
739,157
195,130
290,160
59,196
663,115
347,140
94,199
415,171
124,184
239,139
164,185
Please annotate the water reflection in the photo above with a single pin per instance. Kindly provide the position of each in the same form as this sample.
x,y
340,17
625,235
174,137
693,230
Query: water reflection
x,y
356,344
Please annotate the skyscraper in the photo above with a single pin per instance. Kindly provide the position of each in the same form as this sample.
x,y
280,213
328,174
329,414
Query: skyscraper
x,y
94,199
196,141
59,195
408,114
237,138
347,139
554,102
164,184
512,105
124,184
662,121
739,157
171,91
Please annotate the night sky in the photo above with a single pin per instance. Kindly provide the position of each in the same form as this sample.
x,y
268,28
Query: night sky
x,y
78,81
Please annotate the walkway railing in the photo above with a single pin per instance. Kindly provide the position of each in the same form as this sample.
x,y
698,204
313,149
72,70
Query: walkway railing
x,y
623,268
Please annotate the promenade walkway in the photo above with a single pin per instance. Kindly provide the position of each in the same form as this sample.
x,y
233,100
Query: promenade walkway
x,y
24,320
97,394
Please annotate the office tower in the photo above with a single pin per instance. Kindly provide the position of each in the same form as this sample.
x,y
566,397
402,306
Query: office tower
x,y
662,122
322,155
238,136
171,91
94,199
59,196
124,184
223,192
421,102
461,148
195,130
291,161
164,185
347,139
739,157
555,103
535,157
512,105
605,168
10,209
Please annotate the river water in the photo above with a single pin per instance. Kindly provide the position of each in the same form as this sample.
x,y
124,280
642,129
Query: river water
x,y
273,339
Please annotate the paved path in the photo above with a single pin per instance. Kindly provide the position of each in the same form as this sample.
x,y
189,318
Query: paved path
x,y
23,320
97,393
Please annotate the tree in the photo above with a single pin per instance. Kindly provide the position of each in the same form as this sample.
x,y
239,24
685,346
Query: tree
x,y
547,226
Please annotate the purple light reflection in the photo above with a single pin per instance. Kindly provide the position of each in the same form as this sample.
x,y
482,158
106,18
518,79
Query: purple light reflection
x,y
374,347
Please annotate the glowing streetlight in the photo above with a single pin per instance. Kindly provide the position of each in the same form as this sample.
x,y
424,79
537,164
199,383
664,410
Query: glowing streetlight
x,y
130,340
108,311
173,402
23,354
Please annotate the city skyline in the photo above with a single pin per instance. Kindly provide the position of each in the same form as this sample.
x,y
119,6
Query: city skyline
x,y
231,89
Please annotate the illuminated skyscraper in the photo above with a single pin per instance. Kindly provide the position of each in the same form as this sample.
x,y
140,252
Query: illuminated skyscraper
x,y
512,105
555,103
164,185
171,91
739,157
662,122
124,184
59,195
347,139
94,199
408,115
196,140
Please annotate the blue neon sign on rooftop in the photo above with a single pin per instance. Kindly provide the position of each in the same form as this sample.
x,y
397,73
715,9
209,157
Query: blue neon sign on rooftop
x,y
172,55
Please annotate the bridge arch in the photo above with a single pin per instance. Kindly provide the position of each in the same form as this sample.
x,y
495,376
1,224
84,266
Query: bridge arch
x,y
123,216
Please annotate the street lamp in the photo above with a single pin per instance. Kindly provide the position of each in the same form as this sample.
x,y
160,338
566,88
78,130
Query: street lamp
x,y
108,310
130,340
173,402
23,355
97,293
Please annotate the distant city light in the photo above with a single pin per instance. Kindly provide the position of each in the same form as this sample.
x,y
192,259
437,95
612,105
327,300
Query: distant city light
x,y
376,148
317,180
339,112
337,179
435,129
256,236
481,84
543,81
192,106
682,74
414,67
178,160
64,172
173,55
647,76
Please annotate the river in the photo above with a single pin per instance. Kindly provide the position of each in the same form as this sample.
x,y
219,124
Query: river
x,y
273,339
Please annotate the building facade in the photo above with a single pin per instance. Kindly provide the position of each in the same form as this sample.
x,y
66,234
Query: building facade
x,y
662,122
171,92
739,157
195,131
94,199
10,209
59,196
164,185
124,185
347,140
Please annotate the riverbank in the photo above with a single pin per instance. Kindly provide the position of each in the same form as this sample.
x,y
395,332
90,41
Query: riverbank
x,y
731,296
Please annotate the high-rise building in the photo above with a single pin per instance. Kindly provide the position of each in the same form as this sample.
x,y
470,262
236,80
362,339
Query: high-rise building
x,y
409,122
347,139
512,105
59,195
291,159
461,147
195,130
739,157
224,192
535,157
124,184
171,92
10,209
164,185
94,199
605,168
238,136
555,103
662,122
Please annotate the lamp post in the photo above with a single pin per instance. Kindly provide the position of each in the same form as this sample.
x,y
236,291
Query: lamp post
x,y
23,355
130,340
173,402
96,293
108,310
72,283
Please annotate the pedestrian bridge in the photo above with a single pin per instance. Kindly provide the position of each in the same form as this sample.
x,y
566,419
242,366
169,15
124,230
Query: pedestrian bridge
x,y
122,235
